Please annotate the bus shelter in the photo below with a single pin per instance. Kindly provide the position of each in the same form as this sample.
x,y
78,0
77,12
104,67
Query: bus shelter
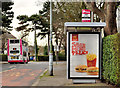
x,y
84,51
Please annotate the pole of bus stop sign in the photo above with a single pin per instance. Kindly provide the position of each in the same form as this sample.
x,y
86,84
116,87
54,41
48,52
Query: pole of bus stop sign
x,y
51,52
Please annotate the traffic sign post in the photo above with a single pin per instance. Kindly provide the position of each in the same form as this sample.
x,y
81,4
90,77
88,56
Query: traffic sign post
x,y
86,15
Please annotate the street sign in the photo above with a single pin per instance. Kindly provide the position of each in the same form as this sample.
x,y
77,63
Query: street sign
x,y
83,52
85,11
86,15
86,20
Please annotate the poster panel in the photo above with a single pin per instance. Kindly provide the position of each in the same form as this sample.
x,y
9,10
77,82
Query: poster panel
x,y
84,55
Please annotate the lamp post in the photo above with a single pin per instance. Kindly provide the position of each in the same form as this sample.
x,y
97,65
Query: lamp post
x,y
35,43
51,52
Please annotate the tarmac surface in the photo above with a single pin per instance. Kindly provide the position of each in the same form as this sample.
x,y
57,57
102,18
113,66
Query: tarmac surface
x,y
21,74
59,80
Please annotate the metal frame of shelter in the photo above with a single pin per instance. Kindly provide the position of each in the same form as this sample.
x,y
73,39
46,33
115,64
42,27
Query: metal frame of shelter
x,y
82,27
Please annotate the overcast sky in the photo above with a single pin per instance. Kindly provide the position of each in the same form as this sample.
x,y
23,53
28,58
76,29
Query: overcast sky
x,y
27,7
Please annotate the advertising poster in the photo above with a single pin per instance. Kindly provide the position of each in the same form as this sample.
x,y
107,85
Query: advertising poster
x,y
84,55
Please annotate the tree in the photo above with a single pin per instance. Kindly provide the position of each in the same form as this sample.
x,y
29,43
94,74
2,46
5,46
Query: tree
x,y
45,50
37,49
106,13
7,15
32,23
65,12
29,24
23,38
45,13
23,26
25,21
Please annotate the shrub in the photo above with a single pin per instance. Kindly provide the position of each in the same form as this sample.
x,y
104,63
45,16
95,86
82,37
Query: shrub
x,y
111,59
43,58
45,50
46,58
3,57
62,52
61,57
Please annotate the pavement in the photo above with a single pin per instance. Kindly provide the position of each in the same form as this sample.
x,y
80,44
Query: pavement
x,y
3,62
60,78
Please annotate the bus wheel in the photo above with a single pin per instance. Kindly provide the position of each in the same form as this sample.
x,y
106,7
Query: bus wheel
x,y
11,62
22,62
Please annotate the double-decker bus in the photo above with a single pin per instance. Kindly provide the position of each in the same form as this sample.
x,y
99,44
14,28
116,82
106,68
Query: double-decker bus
x,y
17,51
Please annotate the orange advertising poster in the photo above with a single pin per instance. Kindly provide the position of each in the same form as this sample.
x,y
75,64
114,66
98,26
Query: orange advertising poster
x,y
74,37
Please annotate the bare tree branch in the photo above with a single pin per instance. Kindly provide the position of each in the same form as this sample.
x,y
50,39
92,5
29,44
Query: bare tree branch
x,y
92,6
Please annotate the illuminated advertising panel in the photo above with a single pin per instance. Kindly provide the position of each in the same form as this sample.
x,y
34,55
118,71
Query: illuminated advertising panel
x,y
84,55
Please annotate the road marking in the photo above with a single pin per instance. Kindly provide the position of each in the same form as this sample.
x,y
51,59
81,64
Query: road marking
x,y
37,81
17,75
7,70
32,74
12,66
11,75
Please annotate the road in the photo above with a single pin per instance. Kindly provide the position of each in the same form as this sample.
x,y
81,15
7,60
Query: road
x,y
22,74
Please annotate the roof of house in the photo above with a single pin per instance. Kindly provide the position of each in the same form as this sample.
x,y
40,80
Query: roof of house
x,y
6,34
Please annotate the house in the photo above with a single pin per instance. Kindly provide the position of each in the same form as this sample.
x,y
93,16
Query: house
x,y
31,50
4,36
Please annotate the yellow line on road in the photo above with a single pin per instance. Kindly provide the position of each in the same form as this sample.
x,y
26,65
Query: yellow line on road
x,y
31,74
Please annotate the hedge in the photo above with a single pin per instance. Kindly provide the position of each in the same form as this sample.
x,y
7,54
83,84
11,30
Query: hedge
x,y
40,58
46,58
43,58
3,57
111,59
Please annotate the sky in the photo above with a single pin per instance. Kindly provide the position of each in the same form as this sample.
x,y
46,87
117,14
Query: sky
x,y
27,7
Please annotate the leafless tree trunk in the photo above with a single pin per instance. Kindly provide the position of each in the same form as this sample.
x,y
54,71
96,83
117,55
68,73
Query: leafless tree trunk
x,y
3,43
107,14
56,52
111,27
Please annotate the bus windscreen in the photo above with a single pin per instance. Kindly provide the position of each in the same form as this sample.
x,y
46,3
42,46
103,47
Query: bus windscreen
x,y
17,51
14,41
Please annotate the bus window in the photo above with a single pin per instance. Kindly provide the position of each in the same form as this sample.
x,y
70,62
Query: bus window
x,y
16,51
16,41
11,41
